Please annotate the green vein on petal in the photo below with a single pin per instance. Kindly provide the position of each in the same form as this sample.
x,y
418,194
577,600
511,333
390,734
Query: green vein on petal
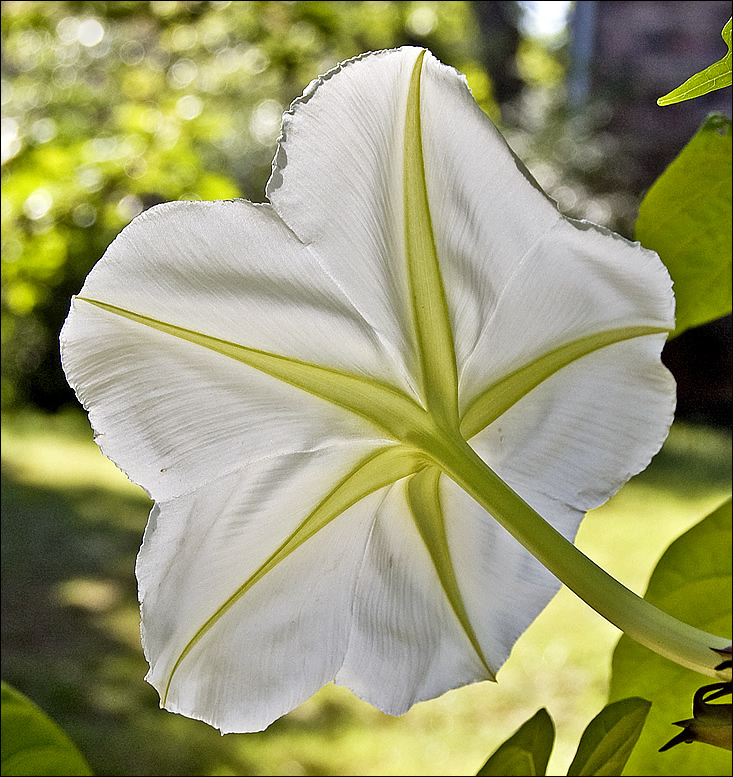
x,y
500,396
383,405
381,468
429,305
423,494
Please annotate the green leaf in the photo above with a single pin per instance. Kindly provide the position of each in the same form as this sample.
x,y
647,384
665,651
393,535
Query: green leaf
x,y
717,76
686,218
607,743
32,744
526,752
692,582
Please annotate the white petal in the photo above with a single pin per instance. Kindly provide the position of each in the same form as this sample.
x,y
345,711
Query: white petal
x,y
337,182
234,270
503,586
576,280
581,434
287,635
520,277
174,416
486,210
406,644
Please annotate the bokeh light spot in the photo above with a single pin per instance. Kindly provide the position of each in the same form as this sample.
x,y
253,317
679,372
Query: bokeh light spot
x,y
90,33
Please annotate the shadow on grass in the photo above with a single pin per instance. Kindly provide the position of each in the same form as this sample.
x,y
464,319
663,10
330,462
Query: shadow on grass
x,y
66,570
70,634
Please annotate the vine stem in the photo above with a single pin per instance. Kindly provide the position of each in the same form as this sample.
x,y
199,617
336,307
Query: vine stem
x,y
640,620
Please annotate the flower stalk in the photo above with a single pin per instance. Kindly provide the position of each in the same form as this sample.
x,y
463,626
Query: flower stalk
x,y
641,621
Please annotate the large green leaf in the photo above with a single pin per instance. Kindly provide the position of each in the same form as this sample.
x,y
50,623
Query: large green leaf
x,y
607,743
686,218
692,582
32,744
717,76
526,752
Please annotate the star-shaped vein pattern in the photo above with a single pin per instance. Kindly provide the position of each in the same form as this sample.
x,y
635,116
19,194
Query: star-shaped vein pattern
x,y
313,436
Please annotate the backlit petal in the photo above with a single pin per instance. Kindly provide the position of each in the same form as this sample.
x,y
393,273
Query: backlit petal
x,y
406,643
296,384
273,647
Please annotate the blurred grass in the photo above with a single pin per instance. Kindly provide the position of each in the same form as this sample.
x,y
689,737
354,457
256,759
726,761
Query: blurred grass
x,y
72,525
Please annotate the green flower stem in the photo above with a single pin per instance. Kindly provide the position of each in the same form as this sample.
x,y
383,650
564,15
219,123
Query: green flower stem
x,y
644,623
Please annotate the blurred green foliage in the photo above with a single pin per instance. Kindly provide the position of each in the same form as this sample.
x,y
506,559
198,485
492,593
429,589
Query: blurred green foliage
x,y
111,107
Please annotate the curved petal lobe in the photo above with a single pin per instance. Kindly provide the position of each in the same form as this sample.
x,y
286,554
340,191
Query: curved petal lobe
x,y
296,384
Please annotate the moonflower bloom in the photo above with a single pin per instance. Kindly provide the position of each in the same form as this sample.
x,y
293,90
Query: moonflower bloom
x,y
342,400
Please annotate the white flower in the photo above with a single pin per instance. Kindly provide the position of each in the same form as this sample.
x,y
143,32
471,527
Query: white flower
x,y
331,398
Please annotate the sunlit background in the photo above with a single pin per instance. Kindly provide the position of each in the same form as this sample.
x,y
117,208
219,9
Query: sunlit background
x,y
111,107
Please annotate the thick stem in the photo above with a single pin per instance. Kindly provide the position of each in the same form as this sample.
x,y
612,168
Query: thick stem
x,y
640,620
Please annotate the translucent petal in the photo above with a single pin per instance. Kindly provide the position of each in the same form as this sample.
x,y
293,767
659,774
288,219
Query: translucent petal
x,y
406,644
285,637
575,280
549,441
234,270
495,572
338,183
174,416
290,381
487,210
